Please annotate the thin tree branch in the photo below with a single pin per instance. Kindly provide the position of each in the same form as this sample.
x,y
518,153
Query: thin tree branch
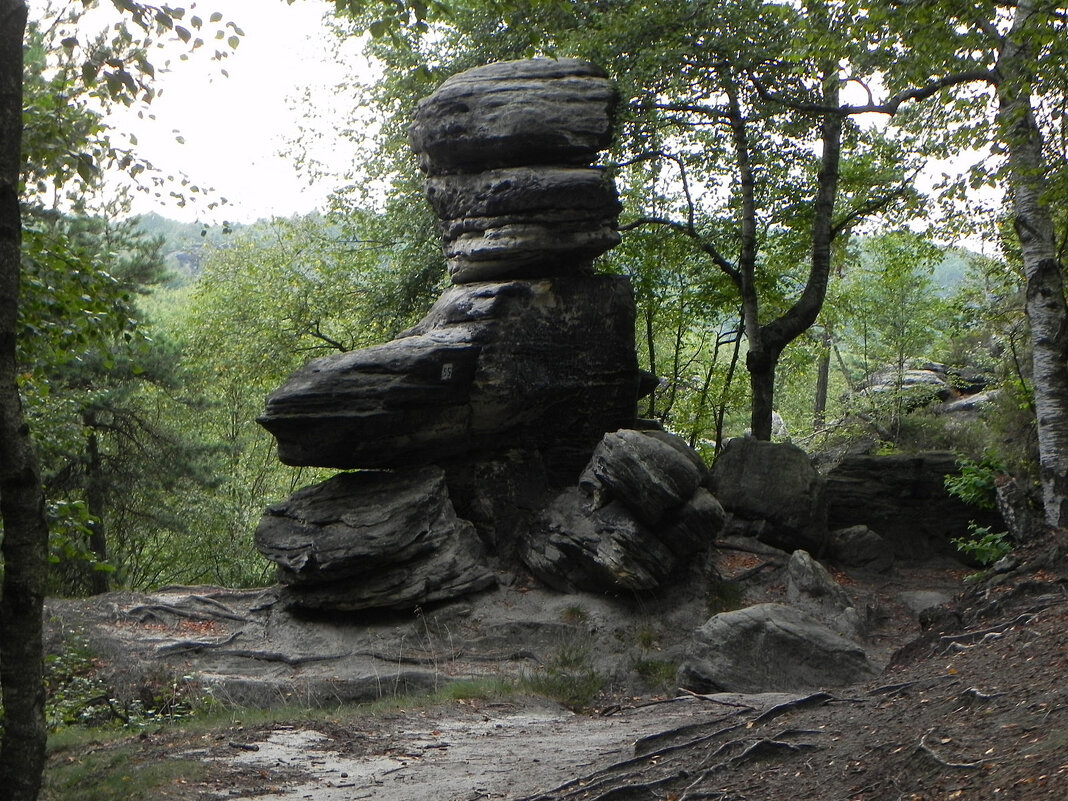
x,y
890,107
704,245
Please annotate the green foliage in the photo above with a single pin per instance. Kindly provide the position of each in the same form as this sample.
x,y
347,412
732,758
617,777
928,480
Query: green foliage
x,y
568,677
75,694
694,222
976,484
885,316
94,380
983,546
657,673
81,62
78,693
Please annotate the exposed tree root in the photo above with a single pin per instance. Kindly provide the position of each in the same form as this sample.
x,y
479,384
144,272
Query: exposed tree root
x,y
925,750
669,770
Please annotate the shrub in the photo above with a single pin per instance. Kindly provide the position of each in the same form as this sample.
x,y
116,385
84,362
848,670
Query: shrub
x,y
976,484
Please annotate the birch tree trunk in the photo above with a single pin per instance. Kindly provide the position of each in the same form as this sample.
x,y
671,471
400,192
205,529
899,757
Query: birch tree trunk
x,y
1047,312
25,537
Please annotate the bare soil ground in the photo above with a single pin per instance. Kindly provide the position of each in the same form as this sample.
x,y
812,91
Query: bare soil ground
x,y
973,707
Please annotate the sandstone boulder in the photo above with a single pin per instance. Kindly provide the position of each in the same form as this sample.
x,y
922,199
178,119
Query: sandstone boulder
x,y
903,497
810,588
507,149
775,483
770,647
646,473
573,547
372,540
859,546
637,517
534,111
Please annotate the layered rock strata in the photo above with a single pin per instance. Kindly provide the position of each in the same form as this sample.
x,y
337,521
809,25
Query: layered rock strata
x,y
507,149
492,366
518,370
542,356
372,540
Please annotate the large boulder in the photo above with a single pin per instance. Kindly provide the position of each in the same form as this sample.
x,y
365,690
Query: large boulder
x,y
646,471
372,540
903,498
770,647
811,588
573,547
776,483
543,365
507,149
859,546
638,516
511,113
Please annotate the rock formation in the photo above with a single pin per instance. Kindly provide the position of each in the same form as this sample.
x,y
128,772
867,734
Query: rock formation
x,y
638,515
507,149
902,497
500,432
768,647
775,487
530,349
535,364
513,376
372,539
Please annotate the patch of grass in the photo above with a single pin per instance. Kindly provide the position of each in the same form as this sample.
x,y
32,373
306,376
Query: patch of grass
x,y
568,678
574,614
657,673
114,769
646,638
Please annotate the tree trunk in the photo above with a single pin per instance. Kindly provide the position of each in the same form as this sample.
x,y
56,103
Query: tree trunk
x,y
823,381
722,410
650,339
1047,312
761,366
773,337
98,579
25,539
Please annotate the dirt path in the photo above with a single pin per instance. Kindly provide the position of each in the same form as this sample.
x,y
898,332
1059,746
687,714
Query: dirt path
x,y
464,751
979,715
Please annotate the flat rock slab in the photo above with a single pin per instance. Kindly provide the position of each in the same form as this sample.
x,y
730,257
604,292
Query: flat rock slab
x,y
532,111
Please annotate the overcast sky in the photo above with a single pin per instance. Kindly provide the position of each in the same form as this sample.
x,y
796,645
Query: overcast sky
x,y
236,129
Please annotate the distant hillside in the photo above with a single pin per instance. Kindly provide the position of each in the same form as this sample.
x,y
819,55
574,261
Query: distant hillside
x,y
950,272
184,242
